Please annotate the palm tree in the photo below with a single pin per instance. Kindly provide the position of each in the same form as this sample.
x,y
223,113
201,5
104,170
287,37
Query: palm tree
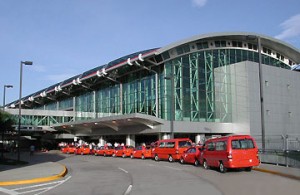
x,y
6,124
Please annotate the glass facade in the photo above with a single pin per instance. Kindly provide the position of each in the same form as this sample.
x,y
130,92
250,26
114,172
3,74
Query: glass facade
x,y
202,88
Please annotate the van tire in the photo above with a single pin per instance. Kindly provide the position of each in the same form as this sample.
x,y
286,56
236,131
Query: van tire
x,y
205,165
222,168
248,169
170,159
181,161
196,163
156,157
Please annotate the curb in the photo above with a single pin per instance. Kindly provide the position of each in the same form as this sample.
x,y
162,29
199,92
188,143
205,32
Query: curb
x,y
277,173
37,180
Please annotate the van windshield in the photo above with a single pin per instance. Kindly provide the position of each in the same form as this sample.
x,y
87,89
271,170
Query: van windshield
x,y
242,144
184,144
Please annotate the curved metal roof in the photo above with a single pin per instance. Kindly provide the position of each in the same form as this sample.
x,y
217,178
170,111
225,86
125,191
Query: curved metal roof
x,y
278,45
272,43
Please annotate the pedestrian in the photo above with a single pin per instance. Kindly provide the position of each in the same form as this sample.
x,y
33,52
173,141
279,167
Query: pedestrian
x,y
32,149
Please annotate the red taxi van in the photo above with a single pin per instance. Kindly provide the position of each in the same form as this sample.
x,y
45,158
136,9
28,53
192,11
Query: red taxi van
x,y
170,149
69,149
123,151
142,152
236,151
84,149
104,151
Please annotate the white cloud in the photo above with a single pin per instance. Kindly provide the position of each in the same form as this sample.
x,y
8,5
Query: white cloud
x,y
59,77
291,28
199,3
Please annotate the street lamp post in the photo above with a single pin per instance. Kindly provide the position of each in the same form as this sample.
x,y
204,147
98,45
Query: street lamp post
x,y
171,77
3,130
4,90
20,103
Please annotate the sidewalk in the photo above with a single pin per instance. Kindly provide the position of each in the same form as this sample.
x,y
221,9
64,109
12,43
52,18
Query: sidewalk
x,y
43,167
289,172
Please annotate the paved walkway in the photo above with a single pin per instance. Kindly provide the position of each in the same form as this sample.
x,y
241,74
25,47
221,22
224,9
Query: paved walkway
x,y
41,167
44,167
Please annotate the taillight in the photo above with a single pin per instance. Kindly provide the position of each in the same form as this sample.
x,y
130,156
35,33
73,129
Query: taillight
x,y
229,156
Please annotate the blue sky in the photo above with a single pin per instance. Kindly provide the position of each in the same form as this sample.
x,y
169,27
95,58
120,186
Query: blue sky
x,y
64,38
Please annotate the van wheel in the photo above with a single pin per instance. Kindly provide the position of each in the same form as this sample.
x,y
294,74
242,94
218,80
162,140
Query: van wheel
x,y
181,161
143,157
248,169
156,157
205,165
196,163
123,155
222,168
171,158
131,156
104,154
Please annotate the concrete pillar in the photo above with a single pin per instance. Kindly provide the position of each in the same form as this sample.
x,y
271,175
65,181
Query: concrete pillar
x,y
200,138
130,140
165,136
102,142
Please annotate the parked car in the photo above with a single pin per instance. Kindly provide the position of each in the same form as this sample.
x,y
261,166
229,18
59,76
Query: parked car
x,y
123,151
69,149
84,149
105,151
171,149
142,152
191,155
237,151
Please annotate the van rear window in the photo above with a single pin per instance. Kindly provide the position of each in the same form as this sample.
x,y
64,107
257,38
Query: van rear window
x,y
242,144
185,144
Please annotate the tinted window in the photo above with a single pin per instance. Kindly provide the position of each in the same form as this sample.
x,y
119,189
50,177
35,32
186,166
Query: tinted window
x,y
170,144
191,150
162,145
221,145
139,148
242,144
211,146
184,144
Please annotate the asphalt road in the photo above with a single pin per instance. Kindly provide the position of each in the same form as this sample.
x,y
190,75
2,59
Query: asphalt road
x,y
95,175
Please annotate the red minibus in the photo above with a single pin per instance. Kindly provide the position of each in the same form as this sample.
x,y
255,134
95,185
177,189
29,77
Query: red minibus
x,y
170,149
236,151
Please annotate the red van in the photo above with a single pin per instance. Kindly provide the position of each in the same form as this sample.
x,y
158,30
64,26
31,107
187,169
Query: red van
x,y
123,151
236,151
142,152
170,149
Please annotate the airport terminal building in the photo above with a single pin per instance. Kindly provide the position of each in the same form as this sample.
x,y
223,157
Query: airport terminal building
x,y
207,85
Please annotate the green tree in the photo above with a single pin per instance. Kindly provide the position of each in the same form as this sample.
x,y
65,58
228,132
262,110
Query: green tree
x,y
6,125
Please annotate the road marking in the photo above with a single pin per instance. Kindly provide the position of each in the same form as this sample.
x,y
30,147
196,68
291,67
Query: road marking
x,y
41,187
7,191
123,170
50,188
127,192
35,186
